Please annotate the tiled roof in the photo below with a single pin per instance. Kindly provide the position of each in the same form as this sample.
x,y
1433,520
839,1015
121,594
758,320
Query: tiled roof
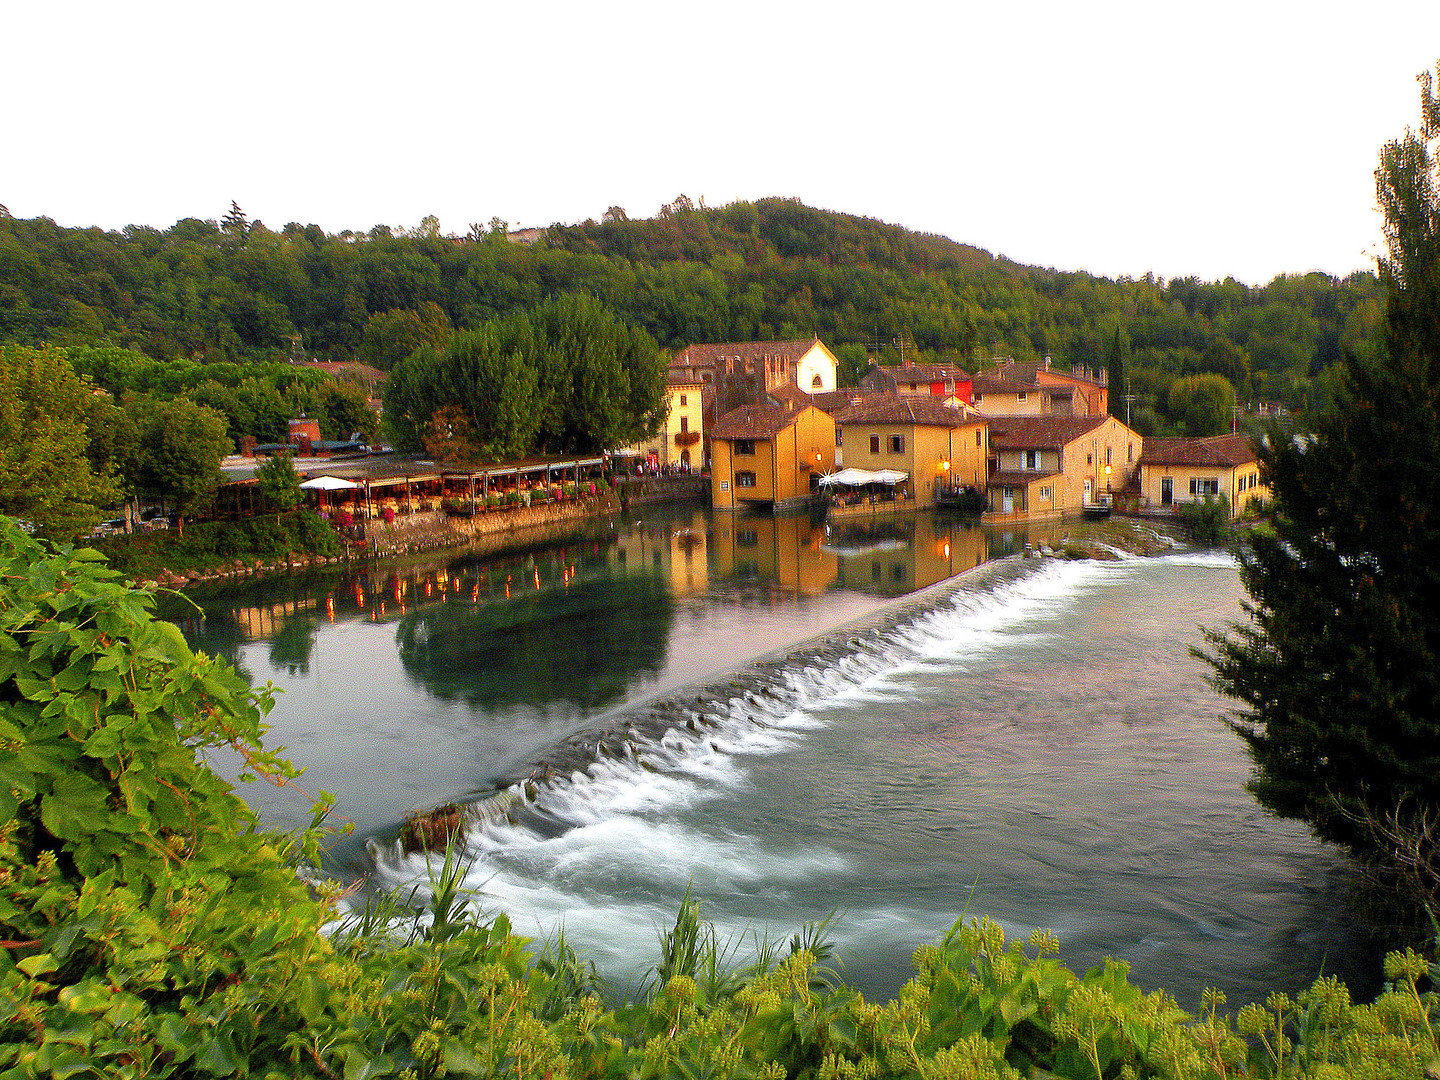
x,y
927,373
901,409
682,378
1018,477
755,421
709,354
1225,450
1039,432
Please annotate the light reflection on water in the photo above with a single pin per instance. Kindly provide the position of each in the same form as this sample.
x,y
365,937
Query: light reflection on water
x,y
1047,753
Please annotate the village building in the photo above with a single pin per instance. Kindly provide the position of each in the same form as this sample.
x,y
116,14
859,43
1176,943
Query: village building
x,y
944,382
679,442
1174,471
940,448
736,373
1035,388
769,455
1055,466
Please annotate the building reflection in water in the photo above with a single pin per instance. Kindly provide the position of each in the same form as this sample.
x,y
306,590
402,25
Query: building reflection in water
x,y
685,551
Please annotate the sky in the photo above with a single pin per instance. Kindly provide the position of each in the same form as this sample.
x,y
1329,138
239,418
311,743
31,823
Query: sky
x,y
1209,139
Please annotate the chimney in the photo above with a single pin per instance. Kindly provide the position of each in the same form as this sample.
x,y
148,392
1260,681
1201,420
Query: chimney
x,y
247,446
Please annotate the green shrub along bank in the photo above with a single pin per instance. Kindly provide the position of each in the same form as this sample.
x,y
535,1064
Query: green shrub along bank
x,y
215,545
150,928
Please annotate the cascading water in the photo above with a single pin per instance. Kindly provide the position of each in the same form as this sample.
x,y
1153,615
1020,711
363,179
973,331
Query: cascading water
x,y
1031,741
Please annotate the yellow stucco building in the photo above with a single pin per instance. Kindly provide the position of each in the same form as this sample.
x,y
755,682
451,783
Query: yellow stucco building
x,y
769,455
1052,466
1176,471
937,445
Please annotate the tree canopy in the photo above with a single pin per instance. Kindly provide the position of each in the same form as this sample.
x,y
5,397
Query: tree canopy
x,y
1339,668
567,376
47,473
768,269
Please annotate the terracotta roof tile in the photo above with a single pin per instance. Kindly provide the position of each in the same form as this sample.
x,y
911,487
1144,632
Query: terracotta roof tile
x,y
1018,477
904,409
1040,432
755,421
702,355
1224,450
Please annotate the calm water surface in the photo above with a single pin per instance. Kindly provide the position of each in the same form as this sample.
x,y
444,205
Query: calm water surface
x,y
1032,742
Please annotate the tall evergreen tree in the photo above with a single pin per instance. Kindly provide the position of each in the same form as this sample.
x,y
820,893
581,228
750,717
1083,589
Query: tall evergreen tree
x,y
1339,666
1118,377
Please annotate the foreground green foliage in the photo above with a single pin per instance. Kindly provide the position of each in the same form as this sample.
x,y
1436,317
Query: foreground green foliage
x,y
149,929
47,475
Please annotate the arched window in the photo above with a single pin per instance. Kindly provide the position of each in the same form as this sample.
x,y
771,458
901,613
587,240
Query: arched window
x,y
815,383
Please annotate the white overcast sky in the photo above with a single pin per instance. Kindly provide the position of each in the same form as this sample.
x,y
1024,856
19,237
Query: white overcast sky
x,y
1206,138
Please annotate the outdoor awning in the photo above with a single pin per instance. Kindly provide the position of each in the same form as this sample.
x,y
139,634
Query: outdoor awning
x,y
856,477
327,483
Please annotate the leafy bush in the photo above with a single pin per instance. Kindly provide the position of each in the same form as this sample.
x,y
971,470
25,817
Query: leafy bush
x,y
212,544
1207,521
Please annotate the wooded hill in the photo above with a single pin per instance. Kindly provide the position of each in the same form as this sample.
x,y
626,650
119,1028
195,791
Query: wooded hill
x,y
235,290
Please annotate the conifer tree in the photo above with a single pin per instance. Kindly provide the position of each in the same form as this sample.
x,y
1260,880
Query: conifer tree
x,y
1338,668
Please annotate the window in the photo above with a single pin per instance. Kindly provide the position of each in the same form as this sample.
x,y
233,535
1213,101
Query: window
x,y
897,444
746,538
1022,396
1107,455
684,400
744,479
1089,459
1201,486
684,424
1032,459
1047,493
815,383
978,398
874,444
745,446
979,436
1130,454
839,436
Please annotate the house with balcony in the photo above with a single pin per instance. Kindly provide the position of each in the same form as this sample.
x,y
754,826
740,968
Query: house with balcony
x,y
680,441
1057,466
1177,471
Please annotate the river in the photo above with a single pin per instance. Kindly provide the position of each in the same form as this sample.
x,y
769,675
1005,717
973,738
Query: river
x,y
794,721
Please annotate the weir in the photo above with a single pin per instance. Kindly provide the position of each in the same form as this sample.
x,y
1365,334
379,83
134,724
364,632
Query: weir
x,y
663,734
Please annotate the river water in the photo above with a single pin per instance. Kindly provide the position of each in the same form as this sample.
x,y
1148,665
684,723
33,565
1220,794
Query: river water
x,y
794,721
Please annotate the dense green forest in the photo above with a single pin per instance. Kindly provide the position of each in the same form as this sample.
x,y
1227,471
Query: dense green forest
x,y
235,290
